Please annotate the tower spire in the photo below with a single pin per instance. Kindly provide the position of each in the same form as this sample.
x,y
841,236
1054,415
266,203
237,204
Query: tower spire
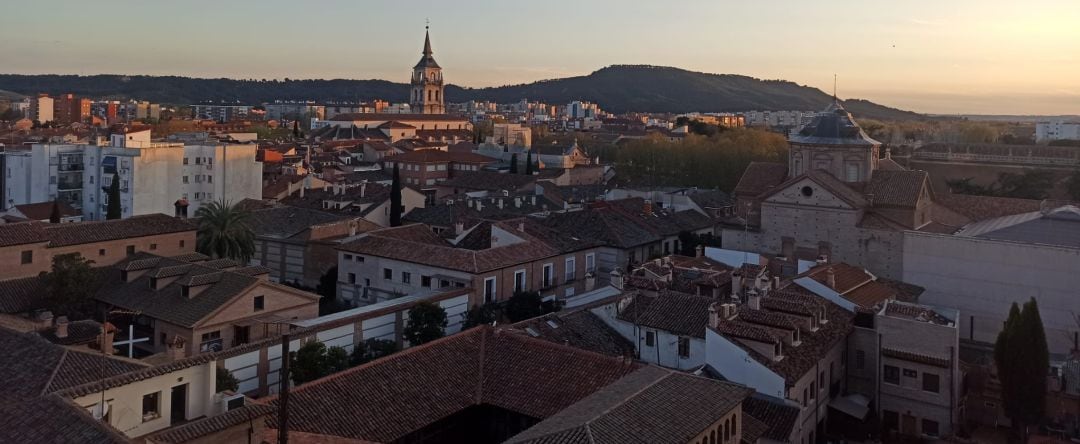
x,y
834,98
427,39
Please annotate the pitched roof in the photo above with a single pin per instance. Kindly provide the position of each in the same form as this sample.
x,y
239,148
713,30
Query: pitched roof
x,y
652,405
21,295
356,117
579,329
392,397
200,428
76,233
896,188
760,177
841,190
288,222
438,156
418,244
777,416
53,419
485,180
986,207
42,211
168,303
679,313
34,367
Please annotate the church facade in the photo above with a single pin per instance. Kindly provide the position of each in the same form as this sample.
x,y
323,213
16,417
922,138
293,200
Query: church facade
x,y
836,200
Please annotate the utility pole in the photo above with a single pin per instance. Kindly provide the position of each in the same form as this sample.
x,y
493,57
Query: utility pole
x,y
283,405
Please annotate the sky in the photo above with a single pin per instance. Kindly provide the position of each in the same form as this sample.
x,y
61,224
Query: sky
x,y
931,56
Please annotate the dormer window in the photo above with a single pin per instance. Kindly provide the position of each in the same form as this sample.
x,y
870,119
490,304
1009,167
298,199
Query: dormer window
x,y
778,351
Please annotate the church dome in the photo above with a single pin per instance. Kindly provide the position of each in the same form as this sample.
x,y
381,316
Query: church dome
x,y
833,126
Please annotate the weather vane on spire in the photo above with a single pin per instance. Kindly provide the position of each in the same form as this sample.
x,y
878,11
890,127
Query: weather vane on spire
x,y
427,23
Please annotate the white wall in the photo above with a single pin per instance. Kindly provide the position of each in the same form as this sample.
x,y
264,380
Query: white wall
x,y
738,366
983,277
125,402
664,352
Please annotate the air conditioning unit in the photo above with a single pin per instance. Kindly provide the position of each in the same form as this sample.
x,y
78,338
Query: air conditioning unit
x,y
230,402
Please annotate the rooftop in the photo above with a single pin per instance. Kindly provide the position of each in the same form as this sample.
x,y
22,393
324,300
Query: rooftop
x,y
390,398
76,233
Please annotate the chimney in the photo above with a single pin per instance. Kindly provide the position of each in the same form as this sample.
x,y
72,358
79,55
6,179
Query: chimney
x,y
105,339
175,349
736,285
500,204
521,226
352,228
776,283
700,250
617,279
533,200
61,327
517,202
888,153
830,278
753,299
714,315
590,281
363,188
822,260
459,228
648,207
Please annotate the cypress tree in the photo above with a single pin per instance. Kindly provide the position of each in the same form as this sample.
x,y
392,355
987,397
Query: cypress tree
x,y
112,209
395,198
529,164
513,164
1023,362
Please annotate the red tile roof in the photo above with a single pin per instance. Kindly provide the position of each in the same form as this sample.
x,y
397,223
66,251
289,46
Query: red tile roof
x,y
760,177
438,156
392,397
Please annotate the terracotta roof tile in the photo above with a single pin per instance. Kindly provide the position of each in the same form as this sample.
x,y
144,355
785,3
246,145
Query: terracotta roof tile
x,y
392,397
760,177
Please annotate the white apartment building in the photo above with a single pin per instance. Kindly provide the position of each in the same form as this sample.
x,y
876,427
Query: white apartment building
x,y
153,176
1058,130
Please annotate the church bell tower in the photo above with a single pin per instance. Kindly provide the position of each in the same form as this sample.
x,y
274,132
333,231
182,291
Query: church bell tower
x,y
427,83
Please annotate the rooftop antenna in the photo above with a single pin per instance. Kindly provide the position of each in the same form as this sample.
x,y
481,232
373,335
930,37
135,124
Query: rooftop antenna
x,y
834,88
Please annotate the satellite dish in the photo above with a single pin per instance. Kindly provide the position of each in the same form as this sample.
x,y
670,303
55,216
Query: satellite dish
x,y
100,410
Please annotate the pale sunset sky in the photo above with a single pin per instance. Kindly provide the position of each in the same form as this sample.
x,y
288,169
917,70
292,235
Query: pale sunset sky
x,y
933,56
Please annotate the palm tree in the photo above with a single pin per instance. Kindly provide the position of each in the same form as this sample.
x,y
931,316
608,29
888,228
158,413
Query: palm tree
x,y
225,232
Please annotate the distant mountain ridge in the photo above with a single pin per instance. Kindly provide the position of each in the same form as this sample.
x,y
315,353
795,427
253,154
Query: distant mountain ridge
x,y
618,88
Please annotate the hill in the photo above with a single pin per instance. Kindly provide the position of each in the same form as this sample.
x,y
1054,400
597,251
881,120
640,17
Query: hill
x,y
617,89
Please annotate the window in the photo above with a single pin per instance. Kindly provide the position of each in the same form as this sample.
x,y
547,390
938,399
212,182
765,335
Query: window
x,y
549,275
348,257
181,244
571,269
27,257
360,259
101,252
813,389
909,373
185,179
684,347
929,427
153,246
260,303
185,161
406,277
388,274
130,250
931,382
892,375
489,290
852,172
860,359
805,397
151,406
650,338
519,281
821,380
352,278
590,262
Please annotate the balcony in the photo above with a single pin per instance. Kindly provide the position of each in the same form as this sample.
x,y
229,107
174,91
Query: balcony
x,y
64,167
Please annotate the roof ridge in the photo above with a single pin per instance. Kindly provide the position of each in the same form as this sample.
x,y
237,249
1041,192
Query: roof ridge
x,y
55,370
392,356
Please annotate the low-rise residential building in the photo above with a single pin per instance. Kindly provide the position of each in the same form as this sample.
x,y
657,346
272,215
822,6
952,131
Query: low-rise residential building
x,y
43,212
494,259
210,304
1056,130
632,230
28,248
